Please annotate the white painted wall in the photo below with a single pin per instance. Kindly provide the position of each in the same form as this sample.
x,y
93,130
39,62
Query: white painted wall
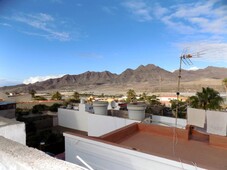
x,y
12,129
104,156
14,156
74,119
95,125
101,124
169,121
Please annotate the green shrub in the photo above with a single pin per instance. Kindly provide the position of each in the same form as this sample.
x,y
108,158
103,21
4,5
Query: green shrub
x,y
54,107
39,98
39,108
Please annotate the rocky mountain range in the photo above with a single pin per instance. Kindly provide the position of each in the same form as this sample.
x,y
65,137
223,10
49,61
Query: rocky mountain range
x,y
149,78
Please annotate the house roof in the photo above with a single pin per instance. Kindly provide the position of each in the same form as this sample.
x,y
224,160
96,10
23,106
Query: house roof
x,y
184,145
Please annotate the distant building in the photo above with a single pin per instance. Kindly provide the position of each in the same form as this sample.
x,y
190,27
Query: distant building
x,y
166,99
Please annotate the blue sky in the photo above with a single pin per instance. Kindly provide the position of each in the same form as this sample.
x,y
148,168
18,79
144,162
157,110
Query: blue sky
x,y
43,39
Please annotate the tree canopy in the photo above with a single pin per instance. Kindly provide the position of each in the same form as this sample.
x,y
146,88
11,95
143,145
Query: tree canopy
x,y
224,81
76,95
32,92
182,108
56,96
207,99
131,96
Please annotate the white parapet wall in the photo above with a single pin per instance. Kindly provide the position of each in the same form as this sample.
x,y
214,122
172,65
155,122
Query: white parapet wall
x,y
103,156
15,156
74,119
101,124
169,121
95,125
12,129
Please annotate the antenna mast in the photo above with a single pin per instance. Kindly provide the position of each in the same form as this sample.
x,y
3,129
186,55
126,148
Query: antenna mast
x,y
184,58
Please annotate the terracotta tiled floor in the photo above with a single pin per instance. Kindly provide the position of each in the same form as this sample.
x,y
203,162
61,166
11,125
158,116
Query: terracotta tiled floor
x,y
191,152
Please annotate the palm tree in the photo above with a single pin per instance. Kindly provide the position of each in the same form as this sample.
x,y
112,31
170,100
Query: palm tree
x,y
207,99
224,81
193,101
181,106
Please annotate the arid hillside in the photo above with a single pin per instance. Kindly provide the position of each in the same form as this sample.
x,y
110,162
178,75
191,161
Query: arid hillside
x,y
149,78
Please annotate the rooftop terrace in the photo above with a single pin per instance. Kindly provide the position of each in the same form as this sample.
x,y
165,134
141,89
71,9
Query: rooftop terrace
x,y
186,146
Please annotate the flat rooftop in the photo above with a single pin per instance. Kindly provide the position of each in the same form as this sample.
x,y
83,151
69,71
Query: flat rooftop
x,y
5,103
184,145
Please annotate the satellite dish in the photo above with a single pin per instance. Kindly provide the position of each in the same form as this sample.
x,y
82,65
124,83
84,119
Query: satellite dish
x,y
113,104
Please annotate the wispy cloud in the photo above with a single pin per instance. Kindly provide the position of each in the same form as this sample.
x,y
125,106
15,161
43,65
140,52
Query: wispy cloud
x,y
42,24
159,11
40,78
205,16
203,24
207,51
200,17
110,10
6,24
139,9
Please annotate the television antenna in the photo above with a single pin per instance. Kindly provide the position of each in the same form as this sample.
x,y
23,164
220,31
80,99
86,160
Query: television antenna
x,y
185,58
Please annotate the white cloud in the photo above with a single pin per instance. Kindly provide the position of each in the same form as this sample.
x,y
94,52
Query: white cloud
x,y
200,17
206,16
6,24
140,9
207,51
43,25
193,68
159,11
178,25
40,78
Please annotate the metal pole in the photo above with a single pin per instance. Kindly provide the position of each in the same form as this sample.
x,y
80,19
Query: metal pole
x,y
178,90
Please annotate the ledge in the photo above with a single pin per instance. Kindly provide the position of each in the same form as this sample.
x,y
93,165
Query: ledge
x,y
17,156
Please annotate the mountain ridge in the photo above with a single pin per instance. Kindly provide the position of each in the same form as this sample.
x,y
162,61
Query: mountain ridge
x,y
144,78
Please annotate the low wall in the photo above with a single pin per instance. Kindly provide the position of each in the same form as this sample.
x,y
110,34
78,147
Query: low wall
x,y
15,156
101,124
95,125
12,129
121,133
73,119
216,140
105,156
165,131
169,120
